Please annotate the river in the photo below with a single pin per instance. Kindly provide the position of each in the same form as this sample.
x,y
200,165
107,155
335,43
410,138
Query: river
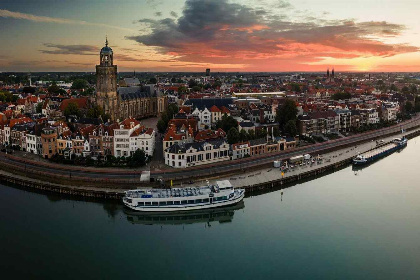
x,y
346,225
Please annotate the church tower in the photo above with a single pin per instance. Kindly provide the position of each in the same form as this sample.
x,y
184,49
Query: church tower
x,y
106,83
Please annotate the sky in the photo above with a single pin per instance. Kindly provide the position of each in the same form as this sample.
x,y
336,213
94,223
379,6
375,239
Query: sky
x,y
223,35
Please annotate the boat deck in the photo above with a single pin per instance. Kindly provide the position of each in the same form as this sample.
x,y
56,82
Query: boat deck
x,y
378,150
166,193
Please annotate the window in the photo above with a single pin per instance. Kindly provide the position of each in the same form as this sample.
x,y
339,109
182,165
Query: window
x,y
147,203
162,203
183,202
170,203
190,201
198,201
177,202
206,200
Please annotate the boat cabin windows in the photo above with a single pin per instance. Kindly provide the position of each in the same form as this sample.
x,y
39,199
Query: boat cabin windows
x,y
206,200
183,202
177,202
147,203
162,203
198,201
190,201
170,203
155,203
140,203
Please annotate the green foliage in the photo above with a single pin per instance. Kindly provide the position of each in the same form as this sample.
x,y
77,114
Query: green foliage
x,y
227,122
182,90
161,126
95,112
261,133
408,107
393,88
341,95
80,84
196,88
286,112
39,107
295,87
192,83
55,90
72,109
233,136
166,117
6,96
153,80
137,159
290,128
243,135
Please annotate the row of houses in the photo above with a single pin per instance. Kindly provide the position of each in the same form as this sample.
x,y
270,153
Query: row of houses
x,y
343,120
48,139
183,155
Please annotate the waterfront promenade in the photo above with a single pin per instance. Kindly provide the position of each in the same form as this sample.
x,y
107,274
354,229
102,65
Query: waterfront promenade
x,y
273,177
252,173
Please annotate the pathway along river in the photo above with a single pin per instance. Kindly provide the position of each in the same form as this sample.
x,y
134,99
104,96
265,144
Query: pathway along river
x,y
347,225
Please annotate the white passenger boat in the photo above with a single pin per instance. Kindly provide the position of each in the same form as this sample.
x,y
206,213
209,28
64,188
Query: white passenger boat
x,y
184,199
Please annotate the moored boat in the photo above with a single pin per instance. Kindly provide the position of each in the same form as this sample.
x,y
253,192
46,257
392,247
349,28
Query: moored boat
x,y
184,199
380,151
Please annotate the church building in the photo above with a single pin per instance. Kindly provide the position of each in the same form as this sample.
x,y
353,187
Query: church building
x,y
124,102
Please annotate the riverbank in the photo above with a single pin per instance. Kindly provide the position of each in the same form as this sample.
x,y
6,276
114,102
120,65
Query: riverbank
x,y
264,178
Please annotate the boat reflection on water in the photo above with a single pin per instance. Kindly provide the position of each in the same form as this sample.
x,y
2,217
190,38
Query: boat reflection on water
x,y
221,215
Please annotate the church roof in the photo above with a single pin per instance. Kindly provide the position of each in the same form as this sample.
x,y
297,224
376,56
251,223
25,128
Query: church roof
x,y
128,93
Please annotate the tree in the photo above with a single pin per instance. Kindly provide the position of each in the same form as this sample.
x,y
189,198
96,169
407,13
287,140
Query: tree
x,y
95,112
243,135
251,135
286,112
161,126
413,89
405,89
182,90
408,107
290,128
192,83
153,80
137,159
233,136
227,122
79,84
39,107
72,109
341,95
54,89
393,88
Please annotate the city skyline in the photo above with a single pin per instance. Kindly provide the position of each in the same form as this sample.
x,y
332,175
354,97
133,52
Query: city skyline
x,y
272,36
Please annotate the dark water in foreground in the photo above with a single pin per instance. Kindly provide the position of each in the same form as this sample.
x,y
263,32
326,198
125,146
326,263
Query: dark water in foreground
x,y
341,226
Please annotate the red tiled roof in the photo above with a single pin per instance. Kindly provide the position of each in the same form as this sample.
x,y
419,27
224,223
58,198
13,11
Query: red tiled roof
x,y
23,120
81,102
214,109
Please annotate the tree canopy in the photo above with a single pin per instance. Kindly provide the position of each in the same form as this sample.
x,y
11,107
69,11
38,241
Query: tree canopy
x,y
227,122
79,84
233,136
341,95
72,109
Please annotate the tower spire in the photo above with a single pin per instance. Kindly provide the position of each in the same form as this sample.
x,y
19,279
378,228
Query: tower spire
x,y
106,40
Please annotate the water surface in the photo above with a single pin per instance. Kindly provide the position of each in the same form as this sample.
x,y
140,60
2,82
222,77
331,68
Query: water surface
x,y
346,225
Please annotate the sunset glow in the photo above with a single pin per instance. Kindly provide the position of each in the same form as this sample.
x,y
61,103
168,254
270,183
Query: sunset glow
x,y
223,35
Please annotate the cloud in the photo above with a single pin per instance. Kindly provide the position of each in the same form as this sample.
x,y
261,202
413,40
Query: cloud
x,y
70,49
174,14
158,14
225,32
30,17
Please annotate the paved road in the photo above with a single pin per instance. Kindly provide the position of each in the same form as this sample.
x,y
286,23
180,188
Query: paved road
x,y
206,170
